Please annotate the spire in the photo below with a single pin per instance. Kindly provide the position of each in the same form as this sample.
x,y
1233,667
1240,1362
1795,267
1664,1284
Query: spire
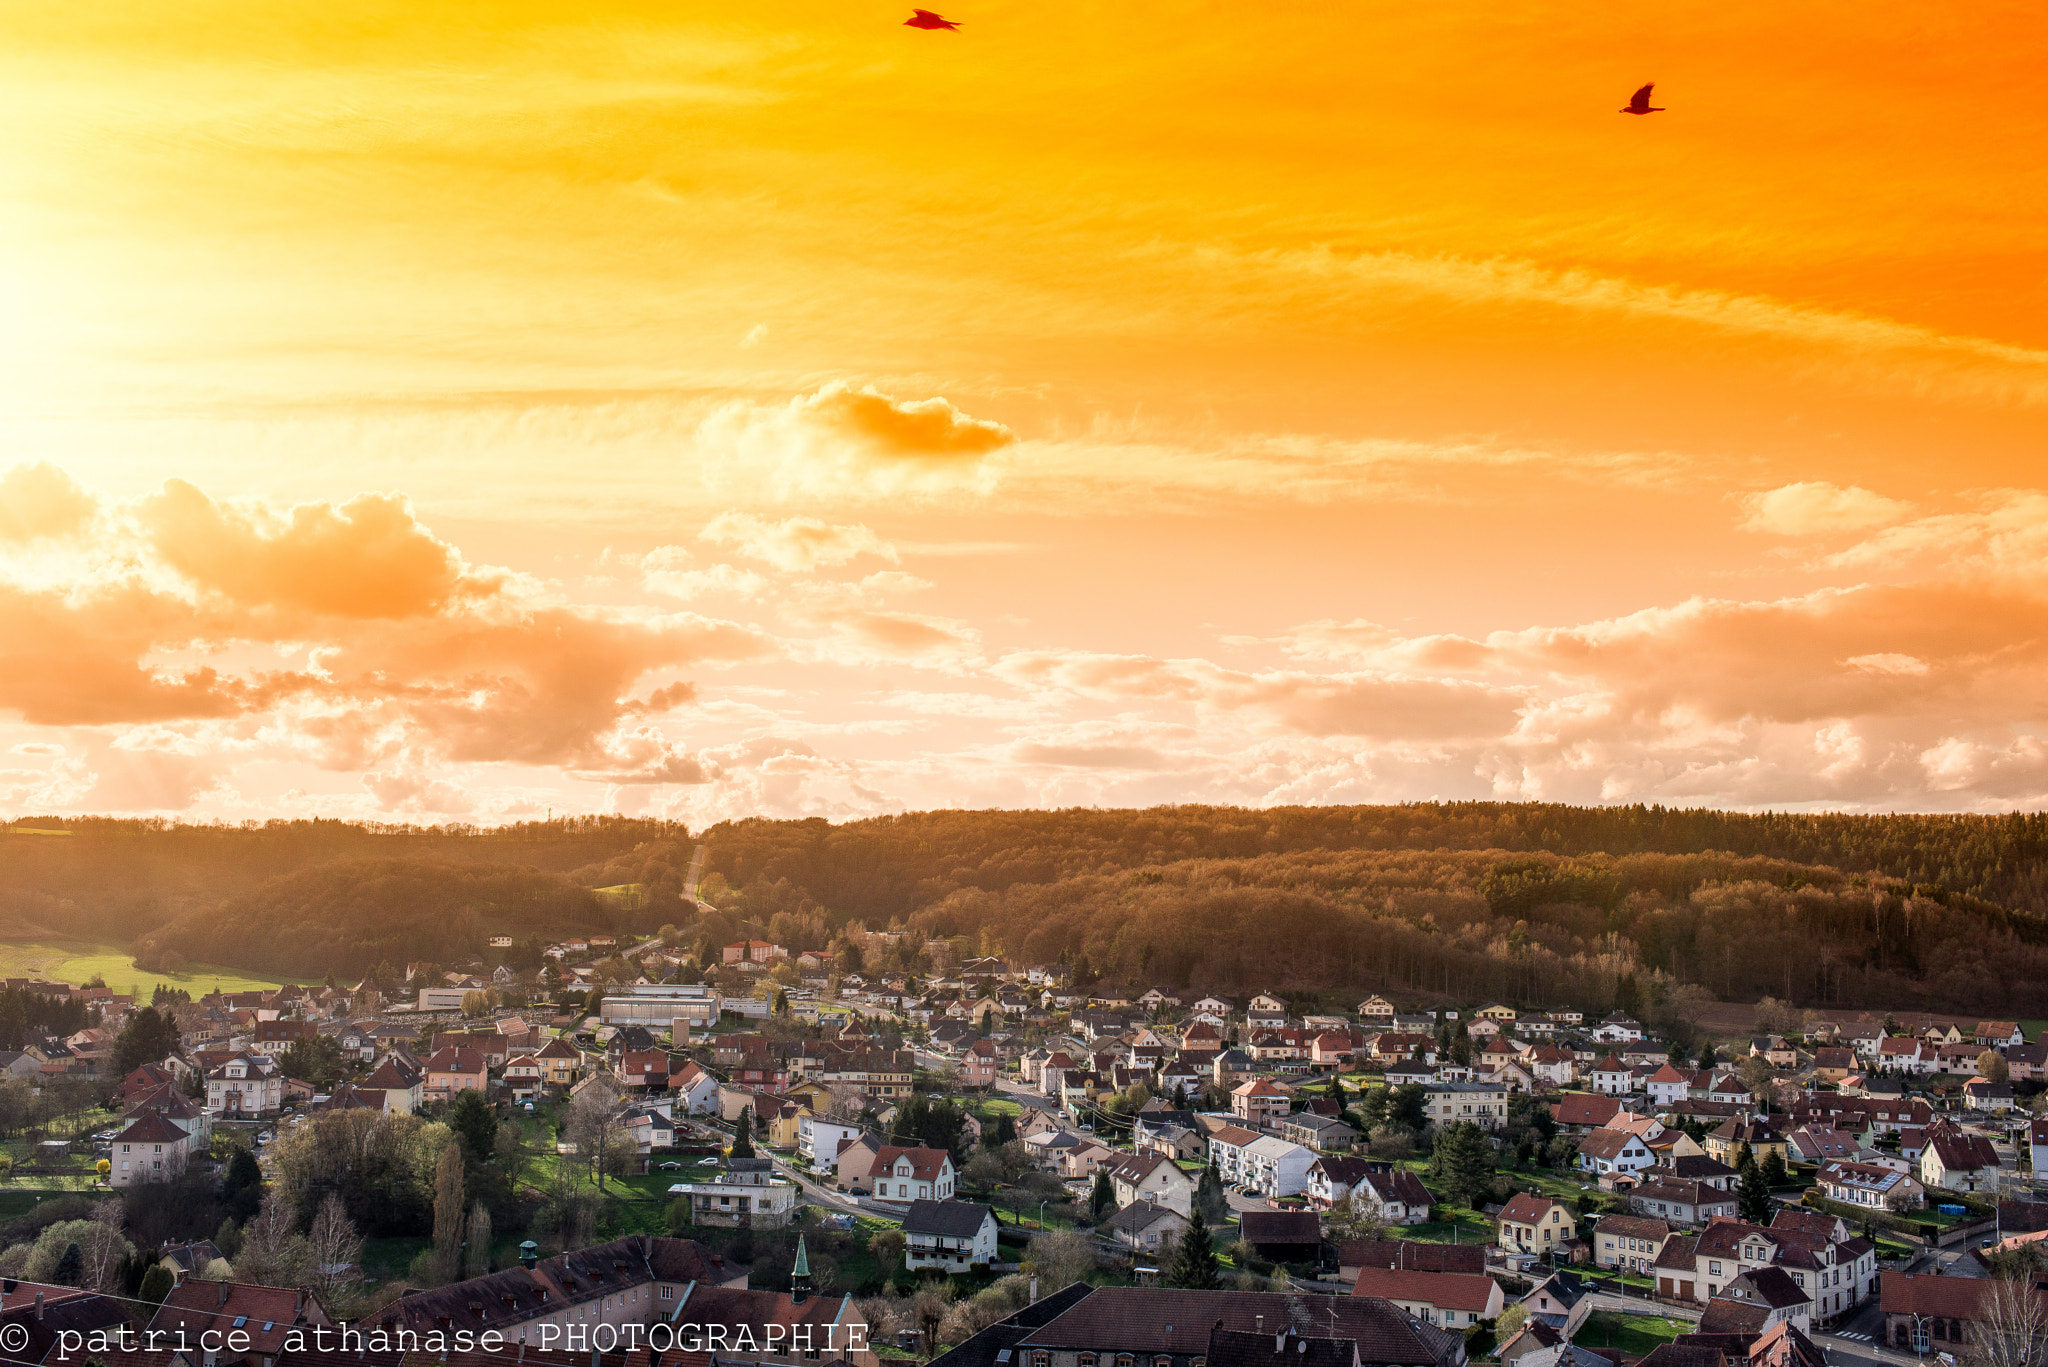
x,y
800,1275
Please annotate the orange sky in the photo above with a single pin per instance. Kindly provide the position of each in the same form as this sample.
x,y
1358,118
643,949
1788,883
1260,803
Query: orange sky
x,y
437,411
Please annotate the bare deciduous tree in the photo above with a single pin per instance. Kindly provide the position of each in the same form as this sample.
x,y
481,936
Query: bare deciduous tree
x,y
336,1248
2012,1326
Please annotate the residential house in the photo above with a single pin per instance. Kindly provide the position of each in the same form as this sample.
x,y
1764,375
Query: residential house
x,y
402,1081
1324,1132
1999,1034
1583,1112
1560,1302
1766,1291
1732,1137
694,1089
1618,1028
1552,1066
561,1063
1152,1177
1954,1161
1629,1242
1833,1063
1814,1144
1611,1077
1614,1156
1535,1224
1258,1104
1394,1196
901,1173
1147,1229
1483,1103
1668,1086
1905,1054
953,1236
1868,1184
1986,1095
451,1071
1333,1177
743,1192
1681,1202
246,1085
1453,1300
152,1149
819,1139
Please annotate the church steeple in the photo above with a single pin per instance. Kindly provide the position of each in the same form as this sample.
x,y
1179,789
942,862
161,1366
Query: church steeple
x,y
800,1275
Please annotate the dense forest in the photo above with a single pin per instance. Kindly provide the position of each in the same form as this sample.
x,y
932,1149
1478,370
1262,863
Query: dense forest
x,y
354,914
1530,903
103,878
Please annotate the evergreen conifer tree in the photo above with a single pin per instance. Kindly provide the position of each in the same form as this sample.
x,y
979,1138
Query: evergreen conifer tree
x,y
1194,1259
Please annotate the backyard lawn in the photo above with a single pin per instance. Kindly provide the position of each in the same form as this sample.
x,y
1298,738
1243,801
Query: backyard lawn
x,y
1636,1335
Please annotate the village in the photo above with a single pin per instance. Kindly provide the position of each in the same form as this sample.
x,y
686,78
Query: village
x,y
995,1159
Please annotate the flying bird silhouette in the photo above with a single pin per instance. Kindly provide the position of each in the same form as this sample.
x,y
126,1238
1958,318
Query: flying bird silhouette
x,y
1639,103
924,18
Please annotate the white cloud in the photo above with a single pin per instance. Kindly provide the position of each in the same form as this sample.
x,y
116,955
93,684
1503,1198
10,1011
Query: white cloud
x,y
795,545
1817,508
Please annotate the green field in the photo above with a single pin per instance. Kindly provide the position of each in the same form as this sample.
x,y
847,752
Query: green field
x,y
76,961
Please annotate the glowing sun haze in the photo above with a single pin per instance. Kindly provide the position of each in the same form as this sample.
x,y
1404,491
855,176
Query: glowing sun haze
x,y
452,411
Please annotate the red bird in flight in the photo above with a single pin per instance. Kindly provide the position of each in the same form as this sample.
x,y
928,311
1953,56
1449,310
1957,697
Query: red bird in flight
x,y
1638,104
924,18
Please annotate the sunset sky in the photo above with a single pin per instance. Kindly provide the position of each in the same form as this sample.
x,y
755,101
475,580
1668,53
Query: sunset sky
x,y
456,412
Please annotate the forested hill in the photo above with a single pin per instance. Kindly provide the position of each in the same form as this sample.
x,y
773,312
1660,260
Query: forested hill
x,y
103,878
355,915
876,867
1532,903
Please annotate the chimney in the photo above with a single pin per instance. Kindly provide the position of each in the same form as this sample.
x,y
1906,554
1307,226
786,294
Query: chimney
x,y
1034,1288
299,1304
39,1305
1258,1324
223,1294
529,1255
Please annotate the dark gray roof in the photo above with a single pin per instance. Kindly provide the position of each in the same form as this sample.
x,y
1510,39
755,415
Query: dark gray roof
x,y
953,1219
1136,1217
996,1345
1165,1320
1236,1348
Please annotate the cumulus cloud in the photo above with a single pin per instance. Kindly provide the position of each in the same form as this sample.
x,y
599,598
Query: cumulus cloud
x,y
666,570
40,502
795,545
1817,508
368,558
843,443
406,656
913,428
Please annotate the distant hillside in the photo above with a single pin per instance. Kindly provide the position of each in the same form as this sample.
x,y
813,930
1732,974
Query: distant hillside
x,y
351,915
1535,904
111,879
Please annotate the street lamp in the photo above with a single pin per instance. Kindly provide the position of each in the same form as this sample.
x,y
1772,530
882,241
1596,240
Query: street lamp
x,y
1041,1213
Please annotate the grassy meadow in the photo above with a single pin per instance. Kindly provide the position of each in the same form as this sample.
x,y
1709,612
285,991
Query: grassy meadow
x,y
76,961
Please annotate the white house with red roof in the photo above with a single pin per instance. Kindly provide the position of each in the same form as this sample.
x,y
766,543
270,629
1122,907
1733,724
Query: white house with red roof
x,y
901,1173
1454,1300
